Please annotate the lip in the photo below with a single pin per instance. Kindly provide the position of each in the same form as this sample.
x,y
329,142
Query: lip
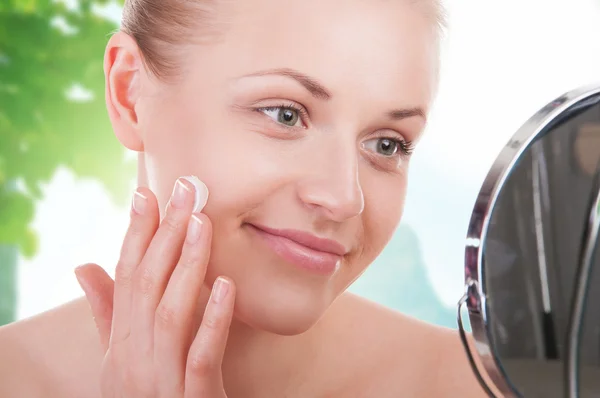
x,y
303,249
306,239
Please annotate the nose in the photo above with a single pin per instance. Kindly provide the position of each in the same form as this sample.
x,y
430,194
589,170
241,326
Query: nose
x,y
333,187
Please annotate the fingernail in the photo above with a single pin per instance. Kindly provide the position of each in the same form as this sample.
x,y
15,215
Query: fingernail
x,y
180,191
201,192
194,229
220,290
139,202
82,282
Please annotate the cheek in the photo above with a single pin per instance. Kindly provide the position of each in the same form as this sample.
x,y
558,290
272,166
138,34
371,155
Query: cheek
x,y
239,167
384,206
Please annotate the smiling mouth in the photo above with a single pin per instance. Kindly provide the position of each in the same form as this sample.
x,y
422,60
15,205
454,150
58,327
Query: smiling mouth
x,y
306,251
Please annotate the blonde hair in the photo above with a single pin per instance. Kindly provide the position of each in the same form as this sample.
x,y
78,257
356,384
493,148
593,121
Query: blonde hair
x,y
161,26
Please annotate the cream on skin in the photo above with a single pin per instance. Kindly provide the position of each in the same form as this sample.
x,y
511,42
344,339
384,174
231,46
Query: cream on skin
x,y
200,193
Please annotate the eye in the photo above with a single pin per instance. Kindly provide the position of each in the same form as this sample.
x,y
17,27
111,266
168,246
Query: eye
x,y
388,147
285,115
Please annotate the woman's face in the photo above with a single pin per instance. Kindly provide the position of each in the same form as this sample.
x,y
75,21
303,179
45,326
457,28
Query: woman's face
x,y
300,121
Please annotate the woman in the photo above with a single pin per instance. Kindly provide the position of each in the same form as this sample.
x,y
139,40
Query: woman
x,y
300,119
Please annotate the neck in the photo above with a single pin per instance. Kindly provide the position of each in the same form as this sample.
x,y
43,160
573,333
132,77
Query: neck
x,y
257,361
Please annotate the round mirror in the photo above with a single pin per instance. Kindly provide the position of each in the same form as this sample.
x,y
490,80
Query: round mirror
x,y
532,297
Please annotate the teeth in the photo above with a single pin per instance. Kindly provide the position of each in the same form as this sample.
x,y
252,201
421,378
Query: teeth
x,y
201,192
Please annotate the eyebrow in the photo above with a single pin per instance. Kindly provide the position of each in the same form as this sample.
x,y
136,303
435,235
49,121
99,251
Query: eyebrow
x,y
316,89
399,114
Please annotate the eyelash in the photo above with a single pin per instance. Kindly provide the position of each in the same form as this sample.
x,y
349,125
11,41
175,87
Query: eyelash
x,y
406,147
302,112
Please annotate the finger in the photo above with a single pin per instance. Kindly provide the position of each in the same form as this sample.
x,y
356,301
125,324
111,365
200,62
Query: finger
x,y
203,370
175,313
143,225
154,271
98,287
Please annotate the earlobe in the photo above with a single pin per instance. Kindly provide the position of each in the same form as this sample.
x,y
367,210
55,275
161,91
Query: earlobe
x,y
122,69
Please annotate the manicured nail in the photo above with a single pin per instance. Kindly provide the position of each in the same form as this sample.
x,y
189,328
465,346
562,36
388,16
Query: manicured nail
x,y
194,230
139,203
220,290
180,192
201,192
82,282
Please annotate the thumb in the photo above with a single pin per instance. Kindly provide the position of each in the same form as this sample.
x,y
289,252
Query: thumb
x,y
99,288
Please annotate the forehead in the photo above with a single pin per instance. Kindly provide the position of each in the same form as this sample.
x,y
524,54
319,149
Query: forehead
x,y
383,48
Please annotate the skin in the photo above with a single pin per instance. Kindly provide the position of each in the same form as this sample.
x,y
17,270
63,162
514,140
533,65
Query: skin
x,y
291,330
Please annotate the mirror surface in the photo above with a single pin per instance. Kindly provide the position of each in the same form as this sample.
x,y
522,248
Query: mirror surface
x,y
531,255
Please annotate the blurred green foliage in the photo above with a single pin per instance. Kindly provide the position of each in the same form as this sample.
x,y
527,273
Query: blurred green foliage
x,y
48,52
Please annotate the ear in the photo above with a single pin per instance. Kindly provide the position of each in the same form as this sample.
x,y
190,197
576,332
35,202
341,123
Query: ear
x,y
123,69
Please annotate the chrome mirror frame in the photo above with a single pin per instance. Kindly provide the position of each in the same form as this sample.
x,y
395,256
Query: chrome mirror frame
x,y
474,298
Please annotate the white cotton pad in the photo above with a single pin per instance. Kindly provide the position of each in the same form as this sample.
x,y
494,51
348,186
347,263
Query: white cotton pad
x,y
201,192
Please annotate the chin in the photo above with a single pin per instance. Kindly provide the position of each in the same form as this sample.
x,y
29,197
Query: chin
x,y
278,310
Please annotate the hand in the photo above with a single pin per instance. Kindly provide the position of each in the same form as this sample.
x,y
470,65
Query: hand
x,y
145,318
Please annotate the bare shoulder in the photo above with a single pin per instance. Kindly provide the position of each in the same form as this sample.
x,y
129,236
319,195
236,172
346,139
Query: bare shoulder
x,y
397,355
53,354
19,375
